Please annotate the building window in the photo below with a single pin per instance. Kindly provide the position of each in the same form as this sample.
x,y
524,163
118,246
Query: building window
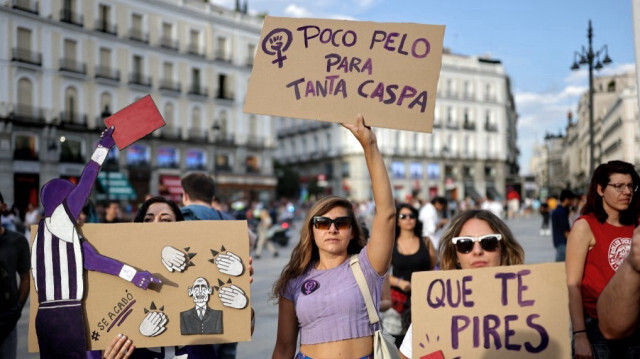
x,y
70,114
25,147
105,105
196,160
252,164
223,162
71,150
345,169
137,155
398,170
168,157
25,94
221,52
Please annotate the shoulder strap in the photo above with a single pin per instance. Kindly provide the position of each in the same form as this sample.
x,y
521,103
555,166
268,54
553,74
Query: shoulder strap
x,y
364,288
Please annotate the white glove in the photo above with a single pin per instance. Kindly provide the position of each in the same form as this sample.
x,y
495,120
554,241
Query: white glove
x,y
153,324
229,264
173,259
232,297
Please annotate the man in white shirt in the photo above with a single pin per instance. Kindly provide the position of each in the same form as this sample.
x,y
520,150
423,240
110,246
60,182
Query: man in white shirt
x,y
430,216
493,206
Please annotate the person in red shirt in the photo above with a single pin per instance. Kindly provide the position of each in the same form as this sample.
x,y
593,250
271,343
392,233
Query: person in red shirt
x,y
597,245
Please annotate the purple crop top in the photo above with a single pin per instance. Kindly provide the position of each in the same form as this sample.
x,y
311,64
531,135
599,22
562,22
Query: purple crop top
x,y
329,305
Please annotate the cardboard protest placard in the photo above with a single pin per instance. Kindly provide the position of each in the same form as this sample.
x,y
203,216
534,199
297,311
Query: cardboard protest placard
x,y
501,312
135,121
113,305
330,70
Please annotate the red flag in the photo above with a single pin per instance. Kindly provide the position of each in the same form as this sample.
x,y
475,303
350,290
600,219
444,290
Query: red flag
x,y
135,121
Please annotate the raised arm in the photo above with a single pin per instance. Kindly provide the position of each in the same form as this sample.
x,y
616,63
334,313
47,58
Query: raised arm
x,y
578,243
380,244
619,303
79,195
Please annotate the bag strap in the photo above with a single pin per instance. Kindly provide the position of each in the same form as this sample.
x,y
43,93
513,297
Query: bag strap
x,y
364,289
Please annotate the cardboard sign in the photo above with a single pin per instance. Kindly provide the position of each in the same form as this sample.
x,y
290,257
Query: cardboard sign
x,y
331,70
500,312
135,121
113,305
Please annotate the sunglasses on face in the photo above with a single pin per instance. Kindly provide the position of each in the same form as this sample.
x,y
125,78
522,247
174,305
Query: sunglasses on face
x,y
407,215
488,243
325,222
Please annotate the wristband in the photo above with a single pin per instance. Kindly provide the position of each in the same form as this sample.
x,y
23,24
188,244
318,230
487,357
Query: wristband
x,y
100,154
579,331
127,273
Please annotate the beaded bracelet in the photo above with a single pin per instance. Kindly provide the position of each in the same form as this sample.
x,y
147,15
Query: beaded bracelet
x,y
579,331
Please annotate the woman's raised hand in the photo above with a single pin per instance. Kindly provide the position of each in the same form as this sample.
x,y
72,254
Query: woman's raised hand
x,y
362,132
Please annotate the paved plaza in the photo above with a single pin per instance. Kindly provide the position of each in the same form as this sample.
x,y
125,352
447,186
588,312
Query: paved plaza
x,y
537,248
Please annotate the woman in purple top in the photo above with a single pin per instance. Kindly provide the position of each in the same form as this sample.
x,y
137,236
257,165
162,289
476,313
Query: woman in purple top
x,y
317,293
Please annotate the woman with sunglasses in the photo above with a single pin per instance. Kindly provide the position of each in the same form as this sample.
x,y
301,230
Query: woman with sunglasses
x,y
475,239
317,293
411,253
598,243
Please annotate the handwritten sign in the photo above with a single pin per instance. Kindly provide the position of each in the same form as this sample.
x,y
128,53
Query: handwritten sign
x,y
113,305
501,312
330,70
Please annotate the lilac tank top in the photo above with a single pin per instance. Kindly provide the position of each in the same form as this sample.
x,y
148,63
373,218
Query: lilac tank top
x,y
329,305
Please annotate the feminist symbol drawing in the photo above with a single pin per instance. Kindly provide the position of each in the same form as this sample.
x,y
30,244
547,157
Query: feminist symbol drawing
x,y
309,286
276,43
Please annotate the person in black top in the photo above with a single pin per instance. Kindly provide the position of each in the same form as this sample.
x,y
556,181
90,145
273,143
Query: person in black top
x,y
411,253
560,226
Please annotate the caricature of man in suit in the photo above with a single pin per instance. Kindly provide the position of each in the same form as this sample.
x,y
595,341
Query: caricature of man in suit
x,y
200,319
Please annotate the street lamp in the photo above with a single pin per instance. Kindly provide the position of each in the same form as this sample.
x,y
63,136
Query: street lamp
x,y
587,57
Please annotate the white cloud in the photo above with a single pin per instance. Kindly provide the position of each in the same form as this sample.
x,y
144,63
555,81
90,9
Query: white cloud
x,y
294,10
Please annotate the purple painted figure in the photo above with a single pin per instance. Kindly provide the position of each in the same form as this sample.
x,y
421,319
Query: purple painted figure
x,y
58,256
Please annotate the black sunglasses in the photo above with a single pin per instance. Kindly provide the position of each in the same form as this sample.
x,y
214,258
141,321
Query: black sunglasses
x,y
325,222
488,243
407,215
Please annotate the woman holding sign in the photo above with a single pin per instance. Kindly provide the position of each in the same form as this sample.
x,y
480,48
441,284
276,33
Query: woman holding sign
x,y
317,293
475,239
598,243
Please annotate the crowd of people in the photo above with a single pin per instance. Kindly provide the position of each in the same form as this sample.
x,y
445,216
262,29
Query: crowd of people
x,y
321,309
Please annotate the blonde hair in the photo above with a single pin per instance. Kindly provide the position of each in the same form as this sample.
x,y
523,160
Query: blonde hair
x,y
511,253
306,251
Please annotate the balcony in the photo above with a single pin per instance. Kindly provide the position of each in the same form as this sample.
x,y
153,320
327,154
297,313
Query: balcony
x,y
169,43
73,120
138,35
452,125
28,115
194,49
136,78
225,140
71,65
255,142
197,135
222,55
26,56
107,73
468,125
171,86
25,5
224,95
490,127
71,17
170,133
103,26
197,90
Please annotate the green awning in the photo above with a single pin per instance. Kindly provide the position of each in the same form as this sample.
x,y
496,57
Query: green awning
x,y
117,185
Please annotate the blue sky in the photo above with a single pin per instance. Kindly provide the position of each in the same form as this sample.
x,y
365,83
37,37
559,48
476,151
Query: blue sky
x,y
535,40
